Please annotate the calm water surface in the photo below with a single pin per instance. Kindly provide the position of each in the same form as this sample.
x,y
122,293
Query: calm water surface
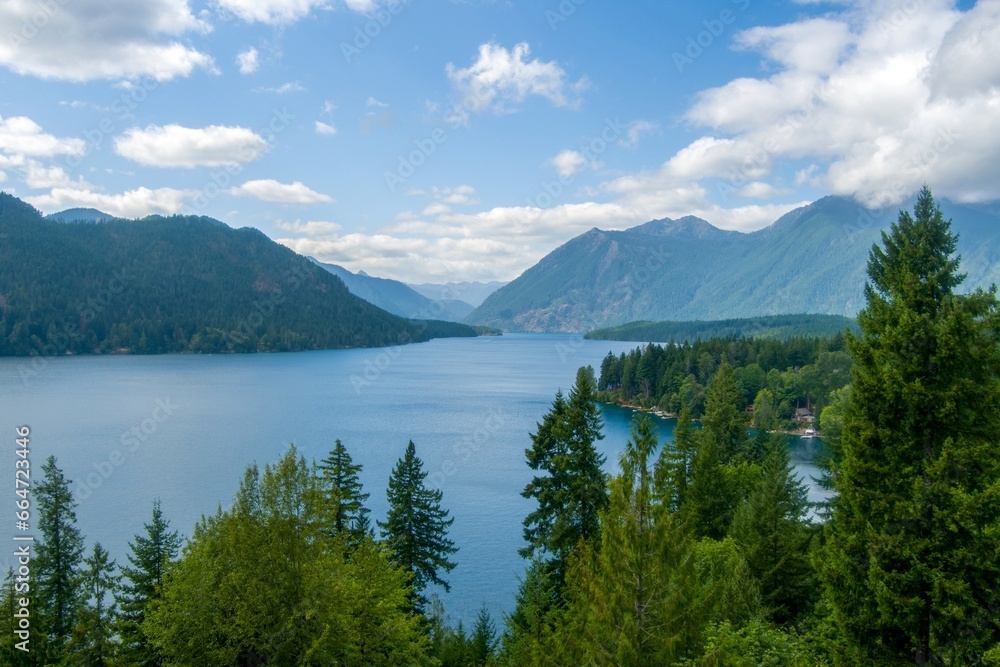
x,y
468,405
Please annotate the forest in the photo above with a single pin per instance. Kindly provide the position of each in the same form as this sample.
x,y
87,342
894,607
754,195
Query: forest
x,y
768,326
702,551
175,284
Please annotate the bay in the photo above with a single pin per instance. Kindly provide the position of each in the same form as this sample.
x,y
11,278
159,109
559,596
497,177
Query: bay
x,y
182,428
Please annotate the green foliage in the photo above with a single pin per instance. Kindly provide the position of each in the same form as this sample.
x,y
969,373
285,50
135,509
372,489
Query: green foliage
x,y
176,284
757,644
149,556
94,641
344,495
57,564
911,567
770,531
674,467
797,372
573,492
416,527
770,326
264,583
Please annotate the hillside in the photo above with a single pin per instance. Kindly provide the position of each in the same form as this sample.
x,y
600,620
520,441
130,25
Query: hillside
x,y
769,326
811,260
399,298
470,292
174,284
80,215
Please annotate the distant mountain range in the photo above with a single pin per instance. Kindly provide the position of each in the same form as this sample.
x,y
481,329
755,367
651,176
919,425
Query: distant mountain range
x,y
473,293
174,284
811,260
399,298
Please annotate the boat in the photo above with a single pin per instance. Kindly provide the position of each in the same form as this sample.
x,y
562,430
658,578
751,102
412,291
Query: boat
x,y
810,433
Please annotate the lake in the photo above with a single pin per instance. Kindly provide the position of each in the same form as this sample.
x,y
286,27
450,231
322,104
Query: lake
x,y
182,428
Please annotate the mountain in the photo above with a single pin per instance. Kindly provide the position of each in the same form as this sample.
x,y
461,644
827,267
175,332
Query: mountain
x,y
398,298
79,215
811,260
473,293
174,284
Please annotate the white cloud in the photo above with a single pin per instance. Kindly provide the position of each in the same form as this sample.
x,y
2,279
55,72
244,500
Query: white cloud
x,y
248,60
131,204
283,89
460,195
568,163
374,103
85,40
635,131
273,191
329,107
39,177
177,146
325,129
968,61
20,136
310,228
3,177
283,12
501,80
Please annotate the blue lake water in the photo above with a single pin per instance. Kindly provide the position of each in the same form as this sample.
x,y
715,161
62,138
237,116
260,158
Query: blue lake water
x,y
182,428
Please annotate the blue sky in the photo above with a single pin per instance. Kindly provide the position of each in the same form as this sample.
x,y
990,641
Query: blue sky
x,y
433,141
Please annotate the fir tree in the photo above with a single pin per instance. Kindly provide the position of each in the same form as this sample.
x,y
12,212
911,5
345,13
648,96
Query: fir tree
x,y
345,495
416,527
673,469
149,556
725,423
483,640
94,642
772,537
574,490
58,560
911,566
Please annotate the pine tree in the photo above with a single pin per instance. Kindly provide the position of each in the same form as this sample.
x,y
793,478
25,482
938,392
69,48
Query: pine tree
x,y
548,452
149,556
772,537
58,561
416,527
911,566
345,495
94,642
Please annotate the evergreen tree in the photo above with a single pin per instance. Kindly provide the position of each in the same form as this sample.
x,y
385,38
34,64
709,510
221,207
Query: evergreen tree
x,y
725,422
548,452
572,494
673,469
911,567
635,601
770,532
344,493
483,641
149,556
58,560
416,527
94,642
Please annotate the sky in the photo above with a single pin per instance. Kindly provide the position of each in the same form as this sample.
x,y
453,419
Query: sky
x,y
465,139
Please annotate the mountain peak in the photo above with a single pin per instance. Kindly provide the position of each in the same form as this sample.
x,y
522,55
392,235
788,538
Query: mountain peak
x,y
80,215
687,227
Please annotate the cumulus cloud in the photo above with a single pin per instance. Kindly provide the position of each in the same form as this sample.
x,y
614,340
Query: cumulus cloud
x,y
310,228
131,204
501,79
177,146
283,89
635,131
568,163
248,60
283,12
20,136
325,129
85,40
273,191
